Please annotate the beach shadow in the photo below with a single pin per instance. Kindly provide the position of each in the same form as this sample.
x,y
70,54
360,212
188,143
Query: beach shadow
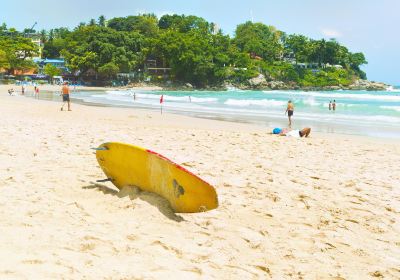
x,y
135,193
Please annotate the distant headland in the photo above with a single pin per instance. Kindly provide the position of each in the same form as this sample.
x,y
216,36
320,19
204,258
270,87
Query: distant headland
x,y
180,51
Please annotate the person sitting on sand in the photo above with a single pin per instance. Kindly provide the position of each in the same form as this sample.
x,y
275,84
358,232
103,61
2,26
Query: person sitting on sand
x,y
305,132
65,94
11,91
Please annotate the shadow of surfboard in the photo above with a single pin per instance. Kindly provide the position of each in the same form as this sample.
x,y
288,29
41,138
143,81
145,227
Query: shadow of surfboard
x,y
133,193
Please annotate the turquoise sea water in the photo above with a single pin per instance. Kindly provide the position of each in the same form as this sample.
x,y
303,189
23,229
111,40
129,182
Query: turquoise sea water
x,y
357,112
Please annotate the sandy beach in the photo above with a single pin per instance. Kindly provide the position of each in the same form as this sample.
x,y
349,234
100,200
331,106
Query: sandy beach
x,y
326,207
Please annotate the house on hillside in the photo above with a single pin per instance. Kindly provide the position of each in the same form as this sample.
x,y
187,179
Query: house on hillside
x,y
57,62
156,69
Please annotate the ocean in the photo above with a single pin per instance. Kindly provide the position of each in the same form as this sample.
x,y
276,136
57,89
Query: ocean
x,y
367,113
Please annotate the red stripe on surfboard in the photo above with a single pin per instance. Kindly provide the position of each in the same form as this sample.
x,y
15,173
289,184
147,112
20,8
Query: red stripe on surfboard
x,y
177,165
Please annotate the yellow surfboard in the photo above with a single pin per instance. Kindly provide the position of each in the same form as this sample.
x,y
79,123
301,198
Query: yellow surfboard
x,y
128,165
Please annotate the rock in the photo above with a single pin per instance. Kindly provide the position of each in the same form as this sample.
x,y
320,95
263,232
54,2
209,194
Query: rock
x,y
278,85
368,85
188,85
258,81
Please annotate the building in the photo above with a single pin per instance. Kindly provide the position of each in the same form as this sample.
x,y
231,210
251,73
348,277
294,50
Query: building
x,y
57,62
36,40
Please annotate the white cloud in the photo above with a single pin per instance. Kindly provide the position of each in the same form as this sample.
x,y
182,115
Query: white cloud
x,y
331,33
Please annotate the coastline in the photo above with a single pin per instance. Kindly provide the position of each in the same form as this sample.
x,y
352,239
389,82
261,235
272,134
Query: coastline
x,y
321,207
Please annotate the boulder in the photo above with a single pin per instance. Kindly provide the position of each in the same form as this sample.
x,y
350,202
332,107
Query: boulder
x,y
258,81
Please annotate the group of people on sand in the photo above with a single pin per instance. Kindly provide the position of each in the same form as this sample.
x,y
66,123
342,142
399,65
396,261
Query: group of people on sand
x,y
305,132
23,90
65,92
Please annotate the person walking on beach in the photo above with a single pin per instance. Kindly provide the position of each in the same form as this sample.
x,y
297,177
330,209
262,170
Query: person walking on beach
x,y
37,92
330,105
334,105
289,111
65,95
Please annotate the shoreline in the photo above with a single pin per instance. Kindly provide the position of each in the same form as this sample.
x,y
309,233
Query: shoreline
x,y
266,122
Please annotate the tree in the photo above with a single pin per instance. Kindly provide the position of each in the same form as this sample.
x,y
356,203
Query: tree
x,y
108,70
4,63
299,46
43,36
51,71
102,21
191,48
146,24
259,39
17,52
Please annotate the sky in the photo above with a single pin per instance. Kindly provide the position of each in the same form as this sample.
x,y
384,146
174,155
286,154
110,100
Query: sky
x,y
368,26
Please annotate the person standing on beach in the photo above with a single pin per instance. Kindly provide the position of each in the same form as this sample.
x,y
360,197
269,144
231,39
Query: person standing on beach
x,y
23,90
289,111
37,92
334,105
330,105
65,95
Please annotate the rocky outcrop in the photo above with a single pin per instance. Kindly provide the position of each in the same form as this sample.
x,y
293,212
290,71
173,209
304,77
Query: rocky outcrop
x,y
258,81
367,85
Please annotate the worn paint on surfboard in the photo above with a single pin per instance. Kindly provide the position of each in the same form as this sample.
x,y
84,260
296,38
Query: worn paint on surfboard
x,y
128,165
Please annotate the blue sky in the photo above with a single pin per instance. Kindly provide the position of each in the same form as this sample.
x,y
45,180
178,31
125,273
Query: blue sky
x,y
369,26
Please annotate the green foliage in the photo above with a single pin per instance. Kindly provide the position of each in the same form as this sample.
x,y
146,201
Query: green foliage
x,y
281,71
102,21
16,52
51,70
259,39
91,47
327,77
108,70
4,63
146,24
194,50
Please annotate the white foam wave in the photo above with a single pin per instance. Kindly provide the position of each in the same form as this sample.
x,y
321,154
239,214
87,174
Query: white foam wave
x,y
395,108
253,102
148,96
203,100
337,95
311,101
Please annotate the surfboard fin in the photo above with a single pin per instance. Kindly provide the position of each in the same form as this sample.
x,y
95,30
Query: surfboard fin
x,y
100,149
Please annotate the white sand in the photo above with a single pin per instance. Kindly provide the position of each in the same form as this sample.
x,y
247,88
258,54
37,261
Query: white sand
x,y
317,208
